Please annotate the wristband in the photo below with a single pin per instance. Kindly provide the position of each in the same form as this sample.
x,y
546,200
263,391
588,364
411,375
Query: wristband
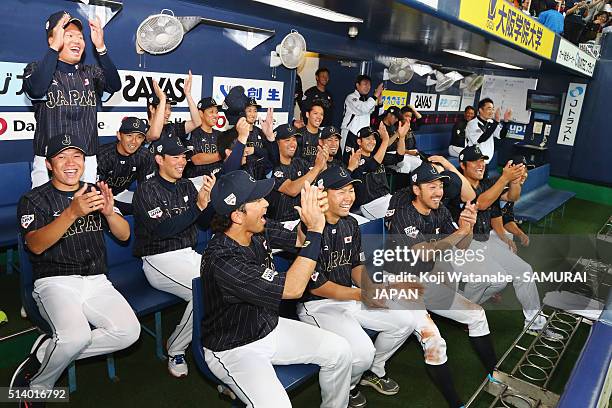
x,y
312,246
101,51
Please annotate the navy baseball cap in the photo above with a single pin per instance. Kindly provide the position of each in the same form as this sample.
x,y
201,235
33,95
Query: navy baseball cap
x,y
335,177
59,143
169,145
367,131
234,104
286,131
56,17
330,131
207,102
236,188
394,110
153,100
426,173
252,102
131,124
472,153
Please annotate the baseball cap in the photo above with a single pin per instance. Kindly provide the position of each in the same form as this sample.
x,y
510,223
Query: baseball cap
x,y
252,102
286,131
56,17
236,188
234,104
335,177
426,173
394,110
169,145
330,131
367,131
207,102
472,153
153,100
59,143
131,124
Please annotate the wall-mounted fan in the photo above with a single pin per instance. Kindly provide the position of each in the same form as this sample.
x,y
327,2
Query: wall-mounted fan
x,y
163,32
290,52
400,71
474,82
443,81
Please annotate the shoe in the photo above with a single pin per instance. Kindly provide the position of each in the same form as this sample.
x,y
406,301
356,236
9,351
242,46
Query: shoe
x,y
29,367
383,385
493,380
177,366
356,399
547,334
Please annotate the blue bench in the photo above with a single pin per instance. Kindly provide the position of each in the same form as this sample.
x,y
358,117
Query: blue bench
x,y
538,199
587,385
15,181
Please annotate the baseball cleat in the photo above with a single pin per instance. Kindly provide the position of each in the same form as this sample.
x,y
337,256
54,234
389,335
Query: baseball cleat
x,y
356,399
383,385
492,379
29,367
177,366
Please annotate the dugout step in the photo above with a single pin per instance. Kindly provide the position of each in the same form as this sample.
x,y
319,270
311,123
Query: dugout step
x,y
519,393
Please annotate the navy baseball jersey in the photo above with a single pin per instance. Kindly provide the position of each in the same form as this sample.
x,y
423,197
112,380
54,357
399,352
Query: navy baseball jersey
x,y
482,228
307,146
282,204
202,142
324,98
257,167
80,251
157,201
340,252
119,171
391,156
69,105
373,180
242,290
408,227
507,213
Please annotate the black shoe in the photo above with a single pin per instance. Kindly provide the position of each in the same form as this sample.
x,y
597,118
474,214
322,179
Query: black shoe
x,y
29,367
356,399
383,385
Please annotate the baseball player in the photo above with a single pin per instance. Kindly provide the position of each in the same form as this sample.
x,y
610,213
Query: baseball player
x,y
290,175
231,145
122,162
309,140
373,193
358,107
336,298
205,160
260,138
65,93
166,208
319,92
159,109
330,139
243,335
486,126
424,223
391,117
497,256
62,224
457,143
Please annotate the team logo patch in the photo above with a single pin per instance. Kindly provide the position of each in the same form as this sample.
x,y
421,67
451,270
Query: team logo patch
x,y
155,213
361,162
269,274
342,173
66,141
411,231
348,240
230,199
160,148
390,213
26,220
362,257
278,173
414,178
320,183
461,157
185,198
314,276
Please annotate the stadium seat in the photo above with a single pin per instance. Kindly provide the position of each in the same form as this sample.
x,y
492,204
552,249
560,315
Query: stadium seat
x,y
291,376
126,274
14,183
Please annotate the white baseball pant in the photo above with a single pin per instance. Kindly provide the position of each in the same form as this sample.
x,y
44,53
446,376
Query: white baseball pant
x,y
40,173
70,304
347,318
454,150
248,370
408,164
173,272
376,208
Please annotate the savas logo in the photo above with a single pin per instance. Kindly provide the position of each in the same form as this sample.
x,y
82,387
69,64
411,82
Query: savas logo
x,y
424,101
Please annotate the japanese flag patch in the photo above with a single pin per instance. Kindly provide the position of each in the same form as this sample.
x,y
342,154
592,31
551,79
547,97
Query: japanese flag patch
x,y
348,240
155,213
314,276
390,213
26,220
269,274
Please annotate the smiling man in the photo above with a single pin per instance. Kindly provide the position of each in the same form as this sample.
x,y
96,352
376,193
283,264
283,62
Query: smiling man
x,y
62,225
166,208
309,140
65,93
126,160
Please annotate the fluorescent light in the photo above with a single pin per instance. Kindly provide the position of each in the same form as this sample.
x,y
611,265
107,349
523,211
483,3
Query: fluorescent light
x,y
312,10
504,65
466,54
